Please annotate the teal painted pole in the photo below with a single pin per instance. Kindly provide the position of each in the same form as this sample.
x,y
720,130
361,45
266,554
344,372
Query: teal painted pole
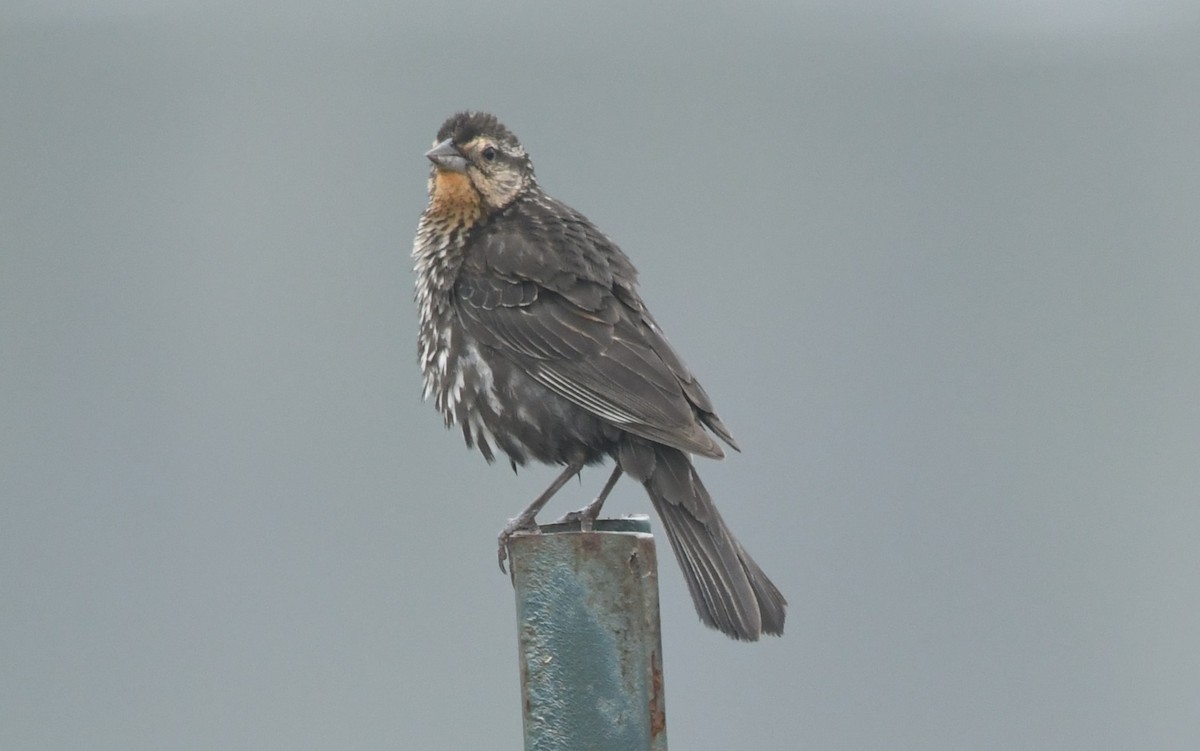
x,y
589,638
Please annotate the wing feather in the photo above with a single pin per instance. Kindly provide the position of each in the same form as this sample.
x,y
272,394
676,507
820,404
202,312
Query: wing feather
x,y
572,321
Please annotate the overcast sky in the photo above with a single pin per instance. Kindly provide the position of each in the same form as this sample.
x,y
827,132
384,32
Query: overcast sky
x,y
935,262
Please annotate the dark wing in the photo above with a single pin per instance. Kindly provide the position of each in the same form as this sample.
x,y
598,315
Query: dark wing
x,y
563,307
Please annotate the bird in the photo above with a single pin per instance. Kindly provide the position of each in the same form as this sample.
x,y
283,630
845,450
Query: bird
x,y
533,339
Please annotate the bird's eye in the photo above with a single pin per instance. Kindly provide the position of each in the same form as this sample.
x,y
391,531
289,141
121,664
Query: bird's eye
x,y
489,154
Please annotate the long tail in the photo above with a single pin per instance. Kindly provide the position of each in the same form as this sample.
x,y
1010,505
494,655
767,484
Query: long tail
x,y
730,591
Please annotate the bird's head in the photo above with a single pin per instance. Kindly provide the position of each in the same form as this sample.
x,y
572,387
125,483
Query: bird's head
x,y
478,163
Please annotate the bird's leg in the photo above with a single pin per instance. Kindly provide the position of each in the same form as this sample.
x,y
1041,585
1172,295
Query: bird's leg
x,y
586,515
524,521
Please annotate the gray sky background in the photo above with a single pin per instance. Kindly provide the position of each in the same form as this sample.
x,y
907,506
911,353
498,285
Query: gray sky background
x,y
937,263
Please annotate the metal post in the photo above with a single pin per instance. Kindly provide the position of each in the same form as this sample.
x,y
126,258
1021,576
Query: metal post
x,y
588,632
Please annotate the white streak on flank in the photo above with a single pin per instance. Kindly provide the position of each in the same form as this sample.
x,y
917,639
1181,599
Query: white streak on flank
x,y
487,379
481,432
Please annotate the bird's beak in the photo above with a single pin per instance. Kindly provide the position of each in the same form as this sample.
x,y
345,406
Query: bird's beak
x,y
447,156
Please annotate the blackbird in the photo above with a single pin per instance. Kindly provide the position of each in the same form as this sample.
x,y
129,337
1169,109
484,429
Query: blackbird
x,y
533,338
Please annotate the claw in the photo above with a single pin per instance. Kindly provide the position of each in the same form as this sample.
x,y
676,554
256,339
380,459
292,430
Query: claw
x,y
582,517
522,524
571,517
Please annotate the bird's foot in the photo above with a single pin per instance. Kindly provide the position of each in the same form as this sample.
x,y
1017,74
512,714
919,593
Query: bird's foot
x,y
523,524
585,516
571,517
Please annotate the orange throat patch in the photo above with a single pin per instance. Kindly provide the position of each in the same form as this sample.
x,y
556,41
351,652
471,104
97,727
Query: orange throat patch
x,y
454,197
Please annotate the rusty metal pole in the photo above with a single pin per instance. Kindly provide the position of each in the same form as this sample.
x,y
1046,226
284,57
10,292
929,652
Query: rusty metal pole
x,y
588,632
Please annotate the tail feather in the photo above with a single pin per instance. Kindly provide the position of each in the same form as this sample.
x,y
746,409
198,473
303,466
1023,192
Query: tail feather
x,y
731,593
